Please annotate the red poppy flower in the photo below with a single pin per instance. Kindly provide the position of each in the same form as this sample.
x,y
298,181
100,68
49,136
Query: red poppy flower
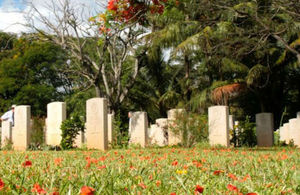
x,y
232,176
27,163
86,190
1,184
232,188
218,172
37,189
251,193
173,193
199,189
55,193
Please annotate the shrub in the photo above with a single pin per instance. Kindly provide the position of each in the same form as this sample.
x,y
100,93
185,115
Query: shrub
x,y
244,134
37,133
192,128
70,129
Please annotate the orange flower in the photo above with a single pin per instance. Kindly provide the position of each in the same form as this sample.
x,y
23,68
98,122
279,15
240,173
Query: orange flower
x,y
173,193
158,183
142,185
27,163
58,161
37,189
199,189
232,176
174,163
86,190
1,184
251,193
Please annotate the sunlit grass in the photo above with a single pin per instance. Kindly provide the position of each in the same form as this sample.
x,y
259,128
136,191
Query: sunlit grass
x,y
152,171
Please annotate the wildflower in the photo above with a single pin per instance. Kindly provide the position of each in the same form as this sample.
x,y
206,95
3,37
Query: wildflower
x,y
173,193
232,176
232,188
37,189
199,189
174,163
251,193
27,163
142,185
1,184
86,190
158,183
180,172
218,172
58,161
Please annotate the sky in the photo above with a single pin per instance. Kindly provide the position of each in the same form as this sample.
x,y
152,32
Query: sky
x,y
12,12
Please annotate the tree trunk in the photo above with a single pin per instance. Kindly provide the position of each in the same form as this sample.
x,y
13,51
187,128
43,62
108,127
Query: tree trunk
x,y
97,91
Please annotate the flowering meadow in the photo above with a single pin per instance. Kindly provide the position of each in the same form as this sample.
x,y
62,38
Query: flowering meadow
x,y
152,171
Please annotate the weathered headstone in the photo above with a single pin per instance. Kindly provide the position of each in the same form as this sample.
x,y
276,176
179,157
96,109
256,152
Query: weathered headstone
x,y
159,134
79,140
173,138
231,122
6,133
139,129
264,129
96,123
294,126
21,131
286,135
110,123
281,134
218,126
56,114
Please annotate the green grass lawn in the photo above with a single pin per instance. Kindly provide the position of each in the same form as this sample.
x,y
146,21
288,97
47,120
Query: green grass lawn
x,y
152,171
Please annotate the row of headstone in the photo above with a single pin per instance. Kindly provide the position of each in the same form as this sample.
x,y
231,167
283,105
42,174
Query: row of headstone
x,y
290,131
220,122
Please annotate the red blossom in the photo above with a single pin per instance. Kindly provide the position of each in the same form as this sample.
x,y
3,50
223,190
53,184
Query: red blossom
x,y
38,189
232,176
142,185
27,163
1,184
86,190
251,193
173,193
199,189
218,172
232,188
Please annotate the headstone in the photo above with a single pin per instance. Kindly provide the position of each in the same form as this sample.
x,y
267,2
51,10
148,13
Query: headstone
x,y
281,134
231,122
110,128
56,114
173,138
286,135
139,128
294,127
264,129
298,114
218,126
21,130
79,140
96,123
6,133
159,134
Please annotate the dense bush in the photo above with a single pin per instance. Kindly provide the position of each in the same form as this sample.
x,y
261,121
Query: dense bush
x,y
192,128
244,134
70,129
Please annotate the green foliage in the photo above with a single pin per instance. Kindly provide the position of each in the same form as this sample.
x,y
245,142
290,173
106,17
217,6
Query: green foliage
x,y
191,128
70,129
120,135
37,131
244,134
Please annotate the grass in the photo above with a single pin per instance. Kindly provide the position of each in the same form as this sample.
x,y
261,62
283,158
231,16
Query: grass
x,y
152,171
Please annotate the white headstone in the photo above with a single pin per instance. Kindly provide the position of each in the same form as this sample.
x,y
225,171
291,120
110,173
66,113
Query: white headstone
x,y
56,114
294,127
174,138
264,129
218,126
110,124
139,128
6,133
96,123
286,130
159,134
21,131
